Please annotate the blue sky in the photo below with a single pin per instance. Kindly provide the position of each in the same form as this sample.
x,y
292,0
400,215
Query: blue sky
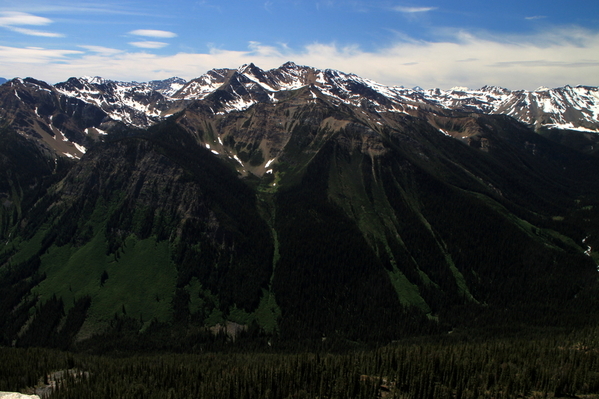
x,y
514,44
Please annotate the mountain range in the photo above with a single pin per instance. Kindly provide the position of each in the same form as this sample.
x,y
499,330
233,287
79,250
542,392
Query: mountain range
x,y
293,204
145,104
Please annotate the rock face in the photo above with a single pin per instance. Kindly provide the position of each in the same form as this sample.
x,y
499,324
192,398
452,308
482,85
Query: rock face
x,y
295,202
57,124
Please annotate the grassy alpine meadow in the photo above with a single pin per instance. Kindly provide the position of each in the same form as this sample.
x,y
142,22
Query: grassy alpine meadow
x,y
117,284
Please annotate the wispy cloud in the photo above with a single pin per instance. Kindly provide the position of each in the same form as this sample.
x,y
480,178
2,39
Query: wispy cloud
x,y
554,57
22,59
33,32
88,8
535,17
101,50
149,44
153,33
13,20
413,10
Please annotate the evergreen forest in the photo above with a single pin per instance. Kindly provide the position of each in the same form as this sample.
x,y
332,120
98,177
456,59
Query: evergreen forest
x,y
476,364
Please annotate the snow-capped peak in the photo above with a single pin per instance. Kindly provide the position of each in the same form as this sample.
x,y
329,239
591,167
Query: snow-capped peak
x,y
129,102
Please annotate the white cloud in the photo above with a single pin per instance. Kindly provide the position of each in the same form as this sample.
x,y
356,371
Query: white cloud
x,y
19,60
149,44
412,10
552,58
33,32
13,19
536,17
259,49
153,33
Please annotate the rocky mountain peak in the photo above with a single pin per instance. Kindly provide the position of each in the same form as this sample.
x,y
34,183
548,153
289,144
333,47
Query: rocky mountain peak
x,y
289,65
167,87
94,80
494,89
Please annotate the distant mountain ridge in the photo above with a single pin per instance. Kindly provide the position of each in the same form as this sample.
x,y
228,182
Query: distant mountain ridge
x,y
145,104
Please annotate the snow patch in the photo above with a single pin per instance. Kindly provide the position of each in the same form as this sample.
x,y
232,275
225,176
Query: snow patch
x,y
570,126
269,162
238,160
80,147
239,104
99,131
